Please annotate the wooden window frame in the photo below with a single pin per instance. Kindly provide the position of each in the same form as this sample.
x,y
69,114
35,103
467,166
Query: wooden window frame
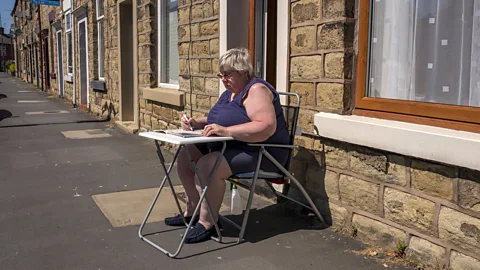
x,y
442,115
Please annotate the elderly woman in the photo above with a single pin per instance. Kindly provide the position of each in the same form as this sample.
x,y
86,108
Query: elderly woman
x,y
250,112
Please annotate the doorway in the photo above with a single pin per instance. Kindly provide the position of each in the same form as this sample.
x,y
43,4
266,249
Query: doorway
x,y
46,66
127,99
83,55
60,63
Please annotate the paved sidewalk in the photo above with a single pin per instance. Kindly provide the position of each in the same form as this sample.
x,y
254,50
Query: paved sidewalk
x,y
49,219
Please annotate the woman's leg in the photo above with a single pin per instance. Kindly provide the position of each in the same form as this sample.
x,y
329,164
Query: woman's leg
x,y
216,189
187,177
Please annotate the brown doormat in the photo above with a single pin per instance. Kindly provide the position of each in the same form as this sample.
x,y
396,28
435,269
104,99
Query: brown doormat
x,y
129,208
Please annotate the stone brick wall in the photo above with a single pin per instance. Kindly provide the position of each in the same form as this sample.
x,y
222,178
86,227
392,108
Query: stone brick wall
x,y
52,45
198,34
382,198
107,103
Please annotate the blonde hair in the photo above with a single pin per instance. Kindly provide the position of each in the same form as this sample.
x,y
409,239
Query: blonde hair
x,y
237,59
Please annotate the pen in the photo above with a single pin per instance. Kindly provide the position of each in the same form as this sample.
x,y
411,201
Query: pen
x,y
186,119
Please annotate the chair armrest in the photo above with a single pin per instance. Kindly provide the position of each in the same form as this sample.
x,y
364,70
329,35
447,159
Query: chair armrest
x,y
273,145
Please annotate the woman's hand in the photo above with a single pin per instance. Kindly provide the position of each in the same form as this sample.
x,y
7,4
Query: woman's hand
x,y
215,129
190,123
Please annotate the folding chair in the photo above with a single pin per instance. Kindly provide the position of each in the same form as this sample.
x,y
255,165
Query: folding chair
x,y
284,177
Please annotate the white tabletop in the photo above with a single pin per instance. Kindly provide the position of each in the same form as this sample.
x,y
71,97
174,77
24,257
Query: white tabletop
x,y
169,138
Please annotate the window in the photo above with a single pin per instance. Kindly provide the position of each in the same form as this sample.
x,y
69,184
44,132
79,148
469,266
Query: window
x,y
68,30
101,41
168,60
420,59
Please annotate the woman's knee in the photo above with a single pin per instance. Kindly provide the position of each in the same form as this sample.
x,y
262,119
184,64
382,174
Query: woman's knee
x,y
206,163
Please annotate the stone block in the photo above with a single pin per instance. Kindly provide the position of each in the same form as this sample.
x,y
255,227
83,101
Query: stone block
x,y
338,216
183,14
195,66
459,261
195,30
200,48
305,120
207,9
396,170
469,189
214,47
305,142
302,39
368,162
409,210
335,36
211,86
184,84
203,102
206,66
336,154
197,12
155,124
460,229
215,68
330,96
198,84
216,7
184,32
147,120
322,182
338,66
305,11
333,9
183,65
167,112
306,67
376,233
433,179
425,253
149,106
209,28
157,109
183,48
359,194
306,92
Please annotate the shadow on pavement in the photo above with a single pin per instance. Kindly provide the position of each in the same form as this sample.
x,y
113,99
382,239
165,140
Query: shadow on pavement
x,y
61,123
3,96
5,114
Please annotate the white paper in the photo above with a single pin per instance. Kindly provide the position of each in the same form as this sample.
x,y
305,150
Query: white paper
x,y
374,40
431,20
430,65
444,42
446,89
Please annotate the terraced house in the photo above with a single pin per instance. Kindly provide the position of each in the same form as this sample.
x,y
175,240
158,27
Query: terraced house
x,y
390,94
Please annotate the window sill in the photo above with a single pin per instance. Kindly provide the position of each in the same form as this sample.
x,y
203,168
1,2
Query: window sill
x,y
98,86
444,145
167,96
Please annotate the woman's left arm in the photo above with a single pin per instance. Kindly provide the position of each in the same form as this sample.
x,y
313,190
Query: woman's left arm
x,y
260,110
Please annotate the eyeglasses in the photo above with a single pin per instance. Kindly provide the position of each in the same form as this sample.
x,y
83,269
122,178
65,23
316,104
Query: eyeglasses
x,y
226,74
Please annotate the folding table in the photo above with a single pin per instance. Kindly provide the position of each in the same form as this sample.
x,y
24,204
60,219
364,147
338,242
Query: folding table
x,y
182,142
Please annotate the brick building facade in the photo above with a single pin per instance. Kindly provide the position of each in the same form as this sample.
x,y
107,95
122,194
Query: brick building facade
x,y
391,171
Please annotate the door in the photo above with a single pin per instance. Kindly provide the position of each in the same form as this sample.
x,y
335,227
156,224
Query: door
x,y
126,61
83,53
60,63
37,70
46,62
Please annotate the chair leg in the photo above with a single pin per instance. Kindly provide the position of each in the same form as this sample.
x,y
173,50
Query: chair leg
x,y
295,181
250,198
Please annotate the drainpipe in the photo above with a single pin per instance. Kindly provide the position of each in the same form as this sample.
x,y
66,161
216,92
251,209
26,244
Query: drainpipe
x,y
41,45
72,22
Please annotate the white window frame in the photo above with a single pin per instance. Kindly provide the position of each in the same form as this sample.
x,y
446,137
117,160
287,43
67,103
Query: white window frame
x,y
100,53
160,52
68,31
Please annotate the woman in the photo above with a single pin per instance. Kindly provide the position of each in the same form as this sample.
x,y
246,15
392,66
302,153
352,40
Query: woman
x,y
250,112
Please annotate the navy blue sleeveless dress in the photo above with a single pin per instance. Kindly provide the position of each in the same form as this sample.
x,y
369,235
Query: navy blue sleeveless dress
x,y
241,157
